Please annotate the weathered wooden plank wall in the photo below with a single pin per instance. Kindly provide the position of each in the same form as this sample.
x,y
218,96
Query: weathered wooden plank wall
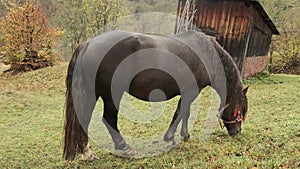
x,y
230,19
242,27
261,35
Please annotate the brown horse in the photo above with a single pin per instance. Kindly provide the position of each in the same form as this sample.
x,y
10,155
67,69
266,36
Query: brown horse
x,y
151,68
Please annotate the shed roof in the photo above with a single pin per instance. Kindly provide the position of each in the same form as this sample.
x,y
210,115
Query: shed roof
x,y
265,16
263,13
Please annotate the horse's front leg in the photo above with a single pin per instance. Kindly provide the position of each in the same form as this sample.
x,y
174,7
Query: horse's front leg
x,y
169,136
182,112
184,129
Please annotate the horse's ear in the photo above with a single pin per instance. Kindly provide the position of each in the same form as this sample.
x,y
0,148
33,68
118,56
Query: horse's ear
x,y
246,90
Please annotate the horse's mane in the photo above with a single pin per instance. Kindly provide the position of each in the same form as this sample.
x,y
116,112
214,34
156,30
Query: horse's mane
x,y
233,79
235,89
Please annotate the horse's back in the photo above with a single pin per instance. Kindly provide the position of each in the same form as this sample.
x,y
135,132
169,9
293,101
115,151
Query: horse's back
x,y
144,62
135,56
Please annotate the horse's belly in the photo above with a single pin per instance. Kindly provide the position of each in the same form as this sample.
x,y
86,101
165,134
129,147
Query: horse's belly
x,y
154,85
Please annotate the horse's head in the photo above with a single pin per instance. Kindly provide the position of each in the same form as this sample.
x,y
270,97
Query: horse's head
x,y
234,113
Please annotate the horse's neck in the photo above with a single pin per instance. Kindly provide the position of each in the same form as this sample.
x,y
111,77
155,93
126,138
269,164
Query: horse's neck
x,y
229,74
233,80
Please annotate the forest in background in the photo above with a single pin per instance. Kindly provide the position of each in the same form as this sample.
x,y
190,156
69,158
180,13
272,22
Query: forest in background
x,y
81,19
285,48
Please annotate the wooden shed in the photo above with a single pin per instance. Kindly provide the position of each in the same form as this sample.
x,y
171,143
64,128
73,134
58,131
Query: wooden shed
x,y
242,27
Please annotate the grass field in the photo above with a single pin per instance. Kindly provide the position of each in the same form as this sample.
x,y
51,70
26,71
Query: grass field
x,y
31,128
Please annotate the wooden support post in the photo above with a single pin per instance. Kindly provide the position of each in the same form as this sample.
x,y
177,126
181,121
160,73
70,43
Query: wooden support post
x,y
241,66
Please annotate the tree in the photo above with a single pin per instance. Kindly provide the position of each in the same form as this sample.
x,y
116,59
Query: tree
x,y
285,48
185,21
102,13
49,7
28,40
83,19
72,18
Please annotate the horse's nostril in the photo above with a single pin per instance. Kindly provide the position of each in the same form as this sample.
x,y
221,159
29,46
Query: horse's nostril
x,y
234,132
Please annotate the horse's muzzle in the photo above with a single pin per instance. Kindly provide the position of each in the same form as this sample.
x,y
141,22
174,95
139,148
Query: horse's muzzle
x,y
234,132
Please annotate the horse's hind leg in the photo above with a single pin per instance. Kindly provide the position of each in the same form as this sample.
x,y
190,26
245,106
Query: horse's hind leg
x,y
85,121
87,153
110,119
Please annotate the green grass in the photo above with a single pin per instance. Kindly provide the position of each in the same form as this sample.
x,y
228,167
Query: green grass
x,y
31,126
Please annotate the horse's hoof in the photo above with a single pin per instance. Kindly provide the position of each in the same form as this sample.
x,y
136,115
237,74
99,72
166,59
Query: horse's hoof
x,y
129,151
186,137
171,144
89,157
87,154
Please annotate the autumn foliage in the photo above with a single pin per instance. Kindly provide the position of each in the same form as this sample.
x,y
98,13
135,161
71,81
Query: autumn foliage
x,y
27,40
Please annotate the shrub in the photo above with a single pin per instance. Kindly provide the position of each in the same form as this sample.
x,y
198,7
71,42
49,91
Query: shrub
x,y
28,40
285,52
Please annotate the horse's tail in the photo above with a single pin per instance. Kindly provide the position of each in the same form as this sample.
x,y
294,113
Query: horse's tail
x,y
75,136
